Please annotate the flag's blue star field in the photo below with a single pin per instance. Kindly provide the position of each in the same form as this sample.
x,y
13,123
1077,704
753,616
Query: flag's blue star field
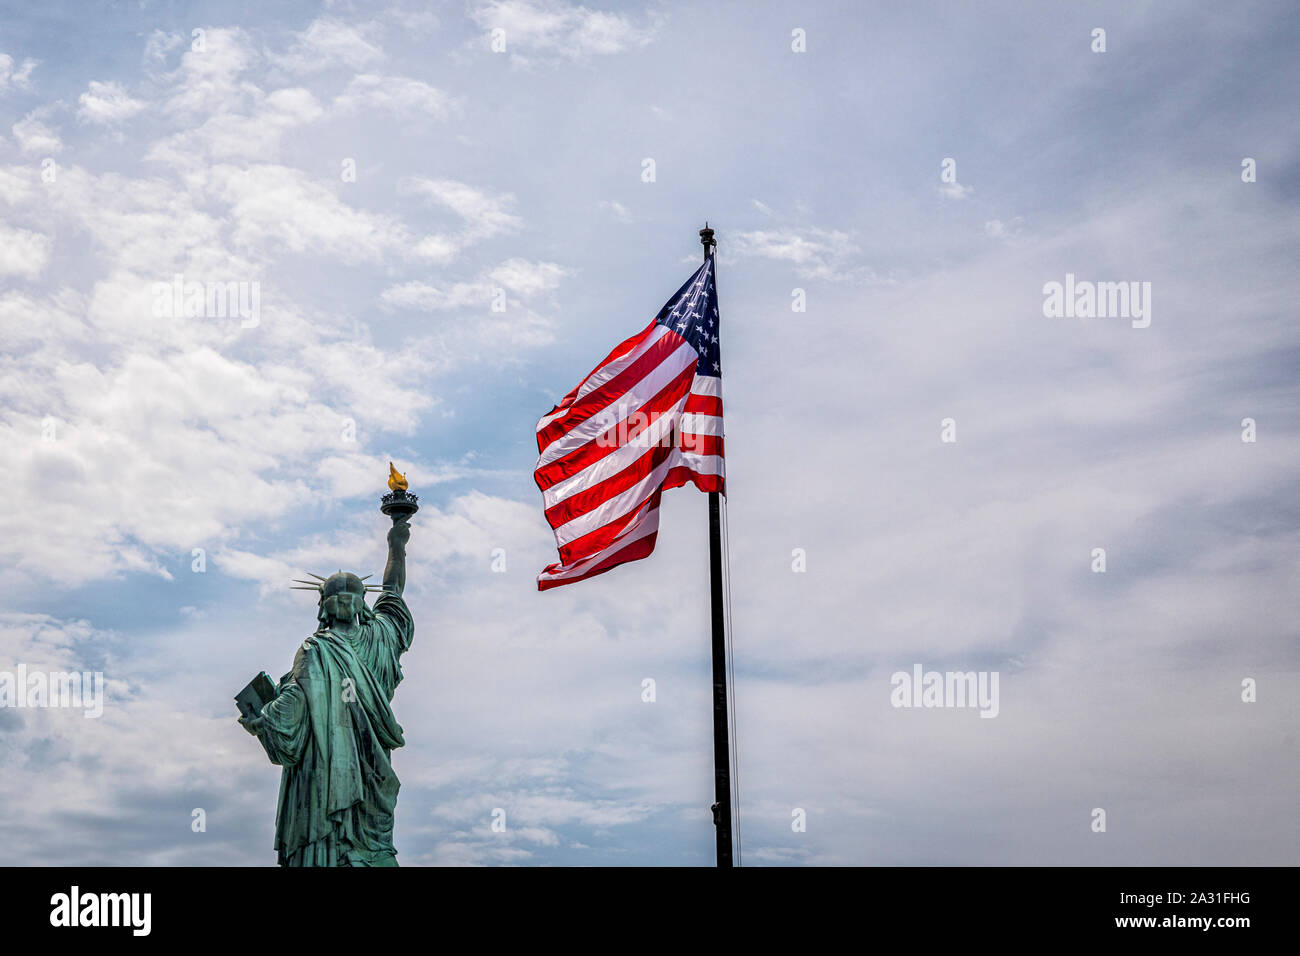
x,y
693,314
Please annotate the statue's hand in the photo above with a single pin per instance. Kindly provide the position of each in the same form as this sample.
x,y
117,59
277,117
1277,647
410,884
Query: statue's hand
x,y
252,724
400,533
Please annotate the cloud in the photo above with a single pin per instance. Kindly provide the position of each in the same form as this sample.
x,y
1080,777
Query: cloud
x,y
209,78
556,29
92,364
23,253
398,95
484,215
132,413
487,317
158,46
617,209
277,206
174,409
525,279
427,298
814,253
528,278
106,104
16,184
129,781
439,249
34,136
252,128
19,78
218,110
328,43
1006,231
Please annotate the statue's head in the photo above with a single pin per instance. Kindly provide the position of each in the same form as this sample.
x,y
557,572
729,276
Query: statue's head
x,y
342,598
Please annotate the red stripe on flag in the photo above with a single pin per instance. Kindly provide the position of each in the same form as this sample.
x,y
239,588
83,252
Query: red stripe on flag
x,y
703,405
607,441
701,444
683,475
600,538
593,496
622,349
638,549
604,395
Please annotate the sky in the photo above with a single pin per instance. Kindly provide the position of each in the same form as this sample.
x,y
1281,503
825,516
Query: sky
x,y
453,211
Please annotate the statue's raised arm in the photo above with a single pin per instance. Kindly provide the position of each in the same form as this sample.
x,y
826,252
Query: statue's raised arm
x,y
395,569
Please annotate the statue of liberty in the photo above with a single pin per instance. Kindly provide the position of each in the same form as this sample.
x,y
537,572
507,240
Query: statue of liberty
x,y
330,725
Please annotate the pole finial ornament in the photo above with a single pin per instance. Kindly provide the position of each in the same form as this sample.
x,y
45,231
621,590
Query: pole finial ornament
x,y
706,238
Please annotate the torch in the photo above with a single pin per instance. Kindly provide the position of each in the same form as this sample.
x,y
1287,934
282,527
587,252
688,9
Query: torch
x,y
398,503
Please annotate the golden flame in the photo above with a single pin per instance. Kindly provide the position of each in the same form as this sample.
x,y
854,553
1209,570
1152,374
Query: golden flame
x,y
396,480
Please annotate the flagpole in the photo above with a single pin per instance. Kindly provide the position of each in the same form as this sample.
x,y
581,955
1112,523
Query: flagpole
x,y
721,745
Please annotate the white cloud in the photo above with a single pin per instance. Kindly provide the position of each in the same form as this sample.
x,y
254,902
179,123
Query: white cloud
x,y
1006,231
955,190
210,80
104,772
814,253
490,336
559,29
159,46
34,136
617,209
428,298
280,206
22,253
125,390
528,278
484,215
525,279
399,95
27,321
16,183
107,103
18,78
441,249
251,126
328,43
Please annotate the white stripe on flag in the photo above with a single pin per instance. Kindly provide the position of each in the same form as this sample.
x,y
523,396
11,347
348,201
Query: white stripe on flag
x,y
617,459
645,524
623,406
614,508
696,424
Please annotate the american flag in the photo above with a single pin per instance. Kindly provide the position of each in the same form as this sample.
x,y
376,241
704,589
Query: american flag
x,y
648,418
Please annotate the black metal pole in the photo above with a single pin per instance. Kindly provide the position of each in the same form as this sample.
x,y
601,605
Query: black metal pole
x,y
721,744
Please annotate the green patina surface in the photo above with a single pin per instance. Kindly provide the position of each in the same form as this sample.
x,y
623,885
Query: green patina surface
x,y
331,728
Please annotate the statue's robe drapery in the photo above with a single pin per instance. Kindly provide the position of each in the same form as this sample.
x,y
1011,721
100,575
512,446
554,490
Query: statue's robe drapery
x,y
331,728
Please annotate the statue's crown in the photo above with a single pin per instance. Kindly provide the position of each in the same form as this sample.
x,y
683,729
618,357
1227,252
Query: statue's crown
x,y
342,582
